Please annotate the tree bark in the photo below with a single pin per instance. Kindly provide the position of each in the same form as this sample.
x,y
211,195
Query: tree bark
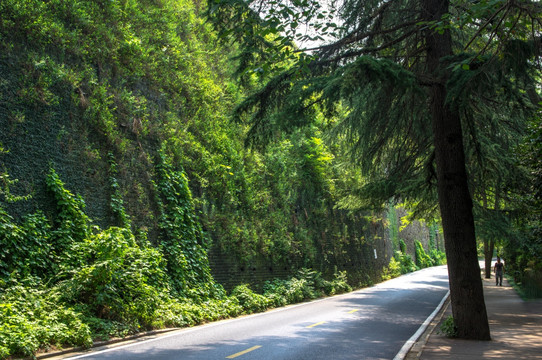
x,y
466,292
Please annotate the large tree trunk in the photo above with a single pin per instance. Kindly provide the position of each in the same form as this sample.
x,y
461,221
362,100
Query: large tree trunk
x,y
467,297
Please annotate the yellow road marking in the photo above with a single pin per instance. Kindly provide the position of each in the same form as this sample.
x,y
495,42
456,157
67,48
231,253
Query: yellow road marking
x,y
243,352
319,323
353,311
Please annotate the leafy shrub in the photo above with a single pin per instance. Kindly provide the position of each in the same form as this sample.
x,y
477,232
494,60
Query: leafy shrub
x,y
216,309
28,245
406,263
178,313
439,257
293,290
422,259
402,246
116,278
276,291
299,290
175,312
448,327
71,222
250,301
32,318
104,329
393,270
313,283
309,284
339,284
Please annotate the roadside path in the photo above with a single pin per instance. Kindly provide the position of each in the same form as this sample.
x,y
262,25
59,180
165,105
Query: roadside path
x,y
515,324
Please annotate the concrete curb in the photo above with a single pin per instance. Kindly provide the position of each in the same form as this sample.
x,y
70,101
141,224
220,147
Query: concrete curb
x,y
427,328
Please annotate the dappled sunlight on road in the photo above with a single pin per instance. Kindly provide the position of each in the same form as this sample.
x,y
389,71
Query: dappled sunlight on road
x,y
371,323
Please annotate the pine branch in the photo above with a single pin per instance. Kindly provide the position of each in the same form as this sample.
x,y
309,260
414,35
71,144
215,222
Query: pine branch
x,y
477,34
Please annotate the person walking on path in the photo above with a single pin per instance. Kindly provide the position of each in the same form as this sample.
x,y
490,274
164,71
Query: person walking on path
x,y
499,271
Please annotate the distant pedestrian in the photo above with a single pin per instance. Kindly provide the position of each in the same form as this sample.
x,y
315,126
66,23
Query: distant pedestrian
x,y
499,271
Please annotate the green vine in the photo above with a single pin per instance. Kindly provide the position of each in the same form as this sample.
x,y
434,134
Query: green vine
x,y
71,222
117,202
422,259
6,183
182,240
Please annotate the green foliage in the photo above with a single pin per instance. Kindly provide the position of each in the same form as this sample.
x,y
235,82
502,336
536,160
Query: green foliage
x,y
523,247
293,290
422,259
339,284
448,328
307,285
249,301
121,79
6,184
114,278
117,201
182,240
393,225
26,248
32,318
438,257
406,264
184,312
527,283
522,260
393,270
71,222
402,246
107,284
400,263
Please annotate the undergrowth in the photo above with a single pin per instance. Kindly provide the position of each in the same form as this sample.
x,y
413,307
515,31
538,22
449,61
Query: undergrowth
x,y
93,284
402,263
448,328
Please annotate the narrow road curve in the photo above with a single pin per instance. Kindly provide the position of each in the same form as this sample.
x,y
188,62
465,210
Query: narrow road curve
x,y
371,323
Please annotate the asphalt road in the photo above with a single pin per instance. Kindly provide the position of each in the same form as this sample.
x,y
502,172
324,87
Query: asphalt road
x,y
371,323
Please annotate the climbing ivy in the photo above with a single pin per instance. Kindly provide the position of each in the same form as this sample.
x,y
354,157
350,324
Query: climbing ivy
x,y
117,201
71,223
182,241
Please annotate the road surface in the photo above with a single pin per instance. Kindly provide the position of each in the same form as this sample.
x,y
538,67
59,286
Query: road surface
x,y
372,323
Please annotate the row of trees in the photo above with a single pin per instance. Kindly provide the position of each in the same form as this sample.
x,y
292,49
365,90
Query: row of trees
x,y
430,97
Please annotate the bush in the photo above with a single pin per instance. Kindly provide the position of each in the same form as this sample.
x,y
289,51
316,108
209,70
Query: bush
x,y
392,271
339,284
276,291
402,246
406,263
448,327
185,312
422,259
439,257
250,301
115,278
299,290
28,245
32,318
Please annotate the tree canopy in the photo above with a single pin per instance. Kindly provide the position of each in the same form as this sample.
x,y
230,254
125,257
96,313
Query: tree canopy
x,y
423,92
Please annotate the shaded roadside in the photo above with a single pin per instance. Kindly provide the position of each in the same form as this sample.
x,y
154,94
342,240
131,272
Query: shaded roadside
x,y
516,330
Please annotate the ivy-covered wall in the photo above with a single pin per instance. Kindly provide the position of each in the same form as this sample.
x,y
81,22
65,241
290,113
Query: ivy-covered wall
x,y
99,90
